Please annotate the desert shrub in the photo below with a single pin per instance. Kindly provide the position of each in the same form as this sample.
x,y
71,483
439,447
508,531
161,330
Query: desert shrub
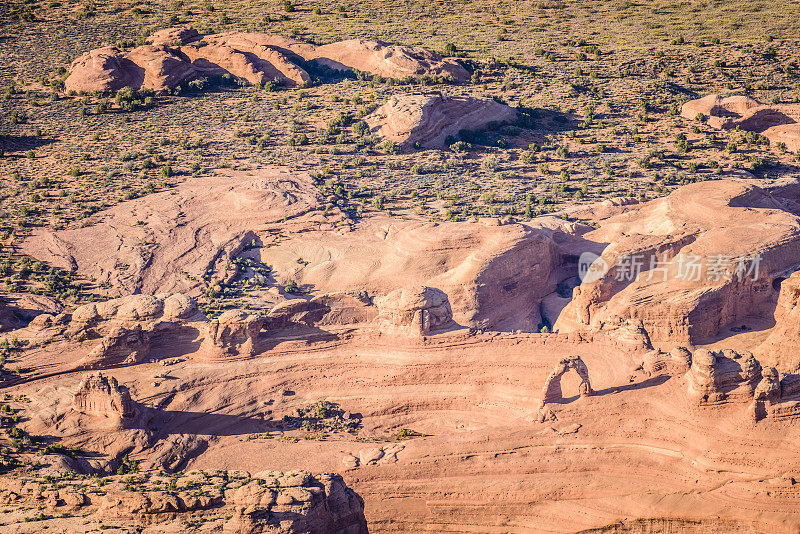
x,y
360,128
389,147
460,147
291,287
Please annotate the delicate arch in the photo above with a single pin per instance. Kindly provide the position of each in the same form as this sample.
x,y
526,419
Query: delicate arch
x,y
552,386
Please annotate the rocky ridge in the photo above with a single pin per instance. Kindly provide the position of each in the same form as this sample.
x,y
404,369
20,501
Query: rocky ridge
x,y
179,55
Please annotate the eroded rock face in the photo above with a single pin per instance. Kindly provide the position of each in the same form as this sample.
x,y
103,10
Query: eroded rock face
x,y
718,377
387,60
271,501
126,328
429,120
177,55
101,395
341,308
778,123
320,504
675,362
234,334
736,237
120,346
781,346
419,310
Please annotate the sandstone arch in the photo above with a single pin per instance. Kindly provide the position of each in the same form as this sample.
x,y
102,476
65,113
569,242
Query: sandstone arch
x,y
552,386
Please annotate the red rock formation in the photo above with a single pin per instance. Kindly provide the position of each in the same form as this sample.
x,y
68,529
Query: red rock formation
x,y
103,69
780,347
176,55
778,123
323,310
417,310
234,334
176,36
739,237
552,386
718,377
429,120
675,362
102,396
391,61
275,502
120,346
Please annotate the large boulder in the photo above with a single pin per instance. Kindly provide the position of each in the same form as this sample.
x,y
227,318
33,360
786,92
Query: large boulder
x,y
429,120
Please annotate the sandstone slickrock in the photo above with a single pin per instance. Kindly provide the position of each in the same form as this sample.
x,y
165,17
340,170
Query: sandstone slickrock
x,y
101,395
418,310
180,54
234,334
689,264
272,501
780,123
430,119
723,376
781,346
492,275
391,61
198,227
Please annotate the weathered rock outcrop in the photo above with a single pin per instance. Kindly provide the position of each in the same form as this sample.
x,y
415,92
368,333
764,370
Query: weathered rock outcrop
x,y
780,349
718,377
250,61
120,346
234,334
101,395
320,504
271,501
689,264
416,310
675,362
429,120
120,331
339,309
778,123
390,61
177,55
175,36
110,69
